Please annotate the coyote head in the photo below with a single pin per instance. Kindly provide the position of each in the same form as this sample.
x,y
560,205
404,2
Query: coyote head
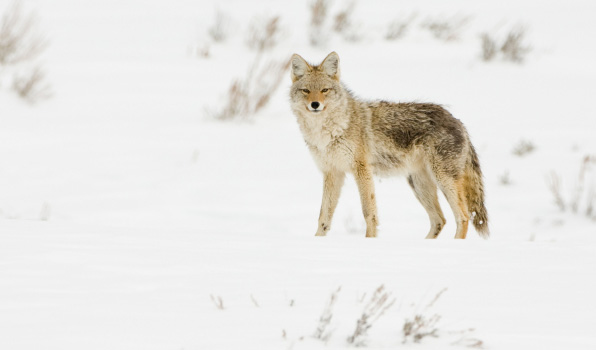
x,y
315,89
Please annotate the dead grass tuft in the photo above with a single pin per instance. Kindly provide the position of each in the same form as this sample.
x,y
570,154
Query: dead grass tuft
x,y
323,332
31,86
523,148
421,325
447,28
343,19
19,38
249,95
505,178
217,301
220,29
264,33
379,303
489,47
582,193
512,48
319,10
398,28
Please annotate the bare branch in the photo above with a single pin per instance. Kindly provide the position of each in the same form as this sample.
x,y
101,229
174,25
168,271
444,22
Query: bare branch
x,y
19,40
31,86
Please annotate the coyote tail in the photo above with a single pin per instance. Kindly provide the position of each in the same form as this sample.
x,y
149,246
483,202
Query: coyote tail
x,y
474,190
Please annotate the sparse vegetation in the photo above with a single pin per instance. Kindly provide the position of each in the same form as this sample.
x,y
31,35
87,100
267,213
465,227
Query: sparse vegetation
x,y
254,301
512,48
344,24
446,28
379,303
319,10
583,193
21,45
523,148
425,323
323,332
201,51
467,339
217,301
505,179
220,28
422,325
249,95
419,327
31,86
343,19
19,39
489,47
263,33
398,28
554,185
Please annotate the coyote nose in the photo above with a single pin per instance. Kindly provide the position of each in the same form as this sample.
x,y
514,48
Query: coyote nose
x,y
315,105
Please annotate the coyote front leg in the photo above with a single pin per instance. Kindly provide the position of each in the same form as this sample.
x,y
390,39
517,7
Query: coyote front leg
x,y
332,183
366,187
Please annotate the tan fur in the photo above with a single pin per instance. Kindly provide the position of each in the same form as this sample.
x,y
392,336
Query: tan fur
x,y
420,140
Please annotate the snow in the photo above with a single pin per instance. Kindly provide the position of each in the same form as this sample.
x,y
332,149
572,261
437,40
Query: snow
x,y
125,207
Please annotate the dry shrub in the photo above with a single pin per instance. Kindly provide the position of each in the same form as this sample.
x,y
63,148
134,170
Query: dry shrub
x,y
249,95
398,28
318,12
581,192
31,86
512,48
523,148
318,16
322,332
553,181
342,20
220,29
344,25
19,39
447,29
466,338
505,179
379,302
489,47
20,46
201,51
422,325
217,301
263,33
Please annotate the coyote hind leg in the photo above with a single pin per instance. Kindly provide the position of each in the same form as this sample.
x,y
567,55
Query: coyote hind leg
x,y
454,192
425,190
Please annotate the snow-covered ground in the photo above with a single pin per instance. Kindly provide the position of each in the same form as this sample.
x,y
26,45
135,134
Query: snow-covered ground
x,y
126,212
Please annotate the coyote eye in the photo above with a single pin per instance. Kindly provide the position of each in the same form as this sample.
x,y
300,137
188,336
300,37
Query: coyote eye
x,y
306,91
325,90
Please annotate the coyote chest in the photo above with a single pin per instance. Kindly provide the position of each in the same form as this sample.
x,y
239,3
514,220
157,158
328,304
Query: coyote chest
x,y
330,147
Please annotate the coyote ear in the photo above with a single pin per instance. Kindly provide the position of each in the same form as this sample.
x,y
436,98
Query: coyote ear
x,y
299,67
330,65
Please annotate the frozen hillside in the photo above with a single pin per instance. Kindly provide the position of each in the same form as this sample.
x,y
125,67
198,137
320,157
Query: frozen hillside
x,y
131,218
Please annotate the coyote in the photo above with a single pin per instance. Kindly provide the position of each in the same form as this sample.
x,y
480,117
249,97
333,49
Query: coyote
x,y
420,140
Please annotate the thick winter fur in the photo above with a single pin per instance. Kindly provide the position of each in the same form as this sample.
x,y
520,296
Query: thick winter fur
x,y
422,141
